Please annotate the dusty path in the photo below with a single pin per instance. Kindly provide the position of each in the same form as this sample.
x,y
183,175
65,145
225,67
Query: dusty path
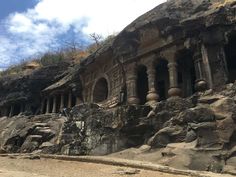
x,y
20,167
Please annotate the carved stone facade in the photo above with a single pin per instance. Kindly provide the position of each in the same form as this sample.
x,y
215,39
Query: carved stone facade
x,y
149,62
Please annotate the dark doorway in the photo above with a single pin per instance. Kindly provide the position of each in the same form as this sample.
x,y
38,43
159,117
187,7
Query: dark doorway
x,y
100,92
16,109
66,100
44,106
8,111
50,104
230,53
58,100
186,72
162,79
142,84
73,100
161,90
34,109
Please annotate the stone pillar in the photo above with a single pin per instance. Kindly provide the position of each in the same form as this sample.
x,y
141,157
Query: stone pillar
x,y
200,83
152,96
48,106
42,106
62,101
11,111
174,89
69,100
54,106
131,82
213,57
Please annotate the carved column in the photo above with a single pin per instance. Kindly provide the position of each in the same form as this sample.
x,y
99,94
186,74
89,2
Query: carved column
x,y
11,111
215,65
174,89
42,106
131,82
152,96
62,101
200,83
69,100
48,106
54,106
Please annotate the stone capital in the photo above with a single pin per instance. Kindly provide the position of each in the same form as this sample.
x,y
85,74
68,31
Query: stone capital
x,y
169,54
172,64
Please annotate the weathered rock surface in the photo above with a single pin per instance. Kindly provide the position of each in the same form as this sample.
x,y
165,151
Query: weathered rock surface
x,y
26,89
87,129
194,133
205,129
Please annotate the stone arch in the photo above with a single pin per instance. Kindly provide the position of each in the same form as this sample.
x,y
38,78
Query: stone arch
x,y
142,83
186,72
230,56
162,78
101,90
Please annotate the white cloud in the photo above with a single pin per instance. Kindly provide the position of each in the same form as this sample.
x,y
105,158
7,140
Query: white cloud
x,y
105,16
37,29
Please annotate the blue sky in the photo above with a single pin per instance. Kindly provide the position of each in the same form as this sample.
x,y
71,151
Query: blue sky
x,y
9,6
29,28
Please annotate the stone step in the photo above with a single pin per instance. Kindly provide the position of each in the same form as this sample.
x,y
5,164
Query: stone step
x,y
34,137
42,128
45,132
38,124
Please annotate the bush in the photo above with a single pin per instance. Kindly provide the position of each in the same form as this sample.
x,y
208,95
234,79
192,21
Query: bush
x,y
51,58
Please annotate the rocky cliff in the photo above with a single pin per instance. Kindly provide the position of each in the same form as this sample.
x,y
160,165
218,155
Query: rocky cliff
x,y
25,89
203,125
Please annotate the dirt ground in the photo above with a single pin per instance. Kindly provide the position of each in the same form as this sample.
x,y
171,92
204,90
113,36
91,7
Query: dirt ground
x,y
20,167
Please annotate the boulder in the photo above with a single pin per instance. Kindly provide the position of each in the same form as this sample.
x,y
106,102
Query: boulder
x,y
225,129
31,143
224,106
207,136
174,105
195,115
166,135
209,99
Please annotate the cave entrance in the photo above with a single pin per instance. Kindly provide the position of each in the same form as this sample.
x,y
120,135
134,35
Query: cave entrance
x,y
162,79
186,72
230,53
142,84
100,92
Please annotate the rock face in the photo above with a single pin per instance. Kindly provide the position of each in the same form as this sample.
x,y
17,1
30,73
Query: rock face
x,y
24,91
85,129
186,128
178,49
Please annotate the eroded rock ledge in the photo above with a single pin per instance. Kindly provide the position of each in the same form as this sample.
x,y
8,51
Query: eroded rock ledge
x,y
200,129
